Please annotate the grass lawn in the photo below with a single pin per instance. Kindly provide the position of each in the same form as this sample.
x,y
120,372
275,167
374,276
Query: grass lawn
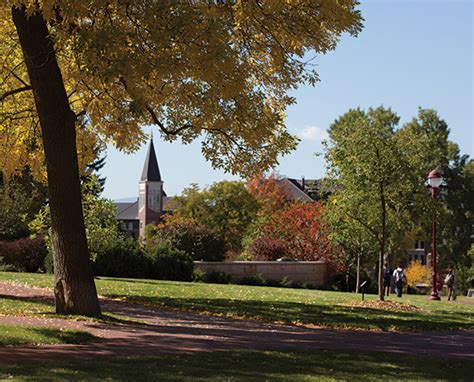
x,y
14,335
321,308
20,306
247,366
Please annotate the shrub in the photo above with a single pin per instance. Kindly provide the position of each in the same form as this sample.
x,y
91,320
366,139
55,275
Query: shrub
x,y
286,283
6,267
168,263
24,255
216,277
257,279
200,242
267,249
198,275
123,259
463,278
417,273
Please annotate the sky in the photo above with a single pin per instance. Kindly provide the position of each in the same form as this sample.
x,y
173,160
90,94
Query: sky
x,y
411,54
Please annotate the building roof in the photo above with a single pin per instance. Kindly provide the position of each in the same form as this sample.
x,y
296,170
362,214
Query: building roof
x,y
293,190
127,211
316,189
151,171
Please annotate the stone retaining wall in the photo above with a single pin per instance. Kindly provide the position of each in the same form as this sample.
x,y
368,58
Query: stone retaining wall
x,y
309,272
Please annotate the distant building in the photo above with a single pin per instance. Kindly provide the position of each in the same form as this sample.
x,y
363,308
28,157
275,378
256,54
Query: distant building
x,y
148,208
418,253
306,190
294,190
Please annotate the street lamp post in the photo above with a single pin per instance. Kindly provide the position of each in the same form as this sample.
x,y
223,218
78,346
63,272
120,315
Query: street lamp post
x,y
434,181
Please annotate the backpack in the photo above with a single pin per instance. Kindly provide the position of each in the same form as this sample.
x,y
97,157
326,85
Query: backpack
x,y
399,276
387,274
449,280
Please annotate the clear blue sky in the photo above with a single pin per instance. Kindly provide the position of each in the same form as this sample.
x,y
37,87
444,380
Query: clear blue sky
x,y
410,54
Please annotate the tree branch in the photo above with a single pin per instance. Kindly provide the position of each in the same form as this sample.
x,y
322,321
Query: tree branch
x,y
225,135
13,92
365,225
162,127
155,118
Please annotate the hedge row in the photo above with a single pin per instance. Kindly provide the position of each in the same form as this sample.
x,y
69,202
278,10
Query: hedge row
x,y
125,258
162,262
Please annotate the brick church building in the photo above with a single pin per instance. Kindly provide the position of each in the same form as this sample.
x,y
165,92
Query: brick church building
x,y
148,208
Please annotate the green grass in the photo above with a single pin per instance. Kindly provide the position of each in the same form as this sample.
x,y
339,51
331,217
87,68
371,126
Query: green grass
x,y
19,306
22,306
317,365
313,307
15,335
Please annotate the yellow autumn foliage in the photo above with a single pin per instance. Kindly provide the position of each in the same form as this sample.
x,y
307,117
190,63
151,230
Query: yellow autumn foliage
x,y
218,70
417,273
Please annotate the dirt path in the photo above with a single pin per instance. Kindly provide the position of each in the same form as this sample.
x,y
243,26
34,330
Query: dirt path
x,y
169,332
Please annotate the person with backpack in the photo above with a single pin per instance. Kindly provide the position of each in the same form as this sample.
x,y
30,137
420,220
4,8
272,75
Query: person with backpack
x,y
399,276
387,277
449,281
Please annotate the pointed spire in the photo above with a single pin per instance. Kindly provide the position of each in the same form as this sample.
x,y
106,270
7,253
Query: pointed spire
x,y
151,172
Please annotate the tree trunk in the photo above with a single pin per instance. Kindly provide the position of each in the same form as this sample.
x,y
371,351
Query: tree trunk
x,y
74,289
357,274
380,271
382,241
347,279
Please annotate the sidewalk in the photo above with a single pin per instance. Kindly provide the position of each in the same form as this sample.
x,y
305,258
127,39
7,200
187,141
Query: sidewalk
x,y
168,332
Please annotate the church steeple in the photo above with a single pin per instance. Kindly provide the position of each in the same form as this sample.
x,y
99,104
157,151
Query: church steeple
x,y
150,194
151,171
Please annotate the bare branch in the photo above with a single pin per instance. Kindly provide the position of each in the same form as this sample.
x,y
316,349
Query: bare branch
x,y
13,92
227,136
166,131
155,118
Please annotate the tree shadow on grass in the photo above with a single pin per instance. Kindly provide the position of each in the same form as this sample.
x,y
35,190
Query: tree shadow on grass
x,y
335,316
146,281
26,305
35,298
17,335
64,336
251,366
44,306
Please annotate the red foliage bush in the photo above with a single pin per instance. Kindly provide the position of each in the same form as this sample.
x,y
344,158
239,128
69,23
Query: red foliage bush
x,y
300,226
24,255
267,249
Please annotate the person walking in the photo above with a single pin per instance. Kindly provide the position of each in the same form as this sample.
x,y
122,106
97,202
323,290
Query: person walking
x,y
387,277
399,276
449,281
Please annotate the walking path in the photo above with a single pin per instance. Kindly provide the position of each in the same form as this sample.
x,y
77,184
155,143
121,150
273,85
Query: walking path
x,y
168,332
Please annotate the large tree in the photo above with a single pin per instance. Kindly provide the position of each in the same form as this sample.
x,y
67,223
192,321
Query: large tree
x,y
381,172
373,185
425,142
219,70
226,207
